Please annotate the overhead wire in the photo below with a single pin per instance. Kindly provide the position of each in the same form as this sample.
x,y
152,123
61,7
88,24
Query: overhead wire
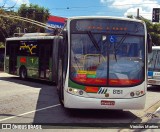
x,y
82,7
10,7
78,8
3,4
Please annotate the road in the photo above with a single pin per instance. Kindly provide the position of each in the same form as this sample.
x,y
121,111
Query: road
x,y
33,101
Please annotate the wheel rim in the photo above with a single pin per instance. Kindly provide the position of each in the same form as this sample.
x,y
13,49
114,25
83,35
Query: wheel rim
x,y
23,73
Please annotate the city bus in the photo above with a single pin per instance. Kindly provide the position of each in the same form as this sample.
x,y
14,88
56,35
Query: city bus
x,y
98,63
154,66
32,55
106,63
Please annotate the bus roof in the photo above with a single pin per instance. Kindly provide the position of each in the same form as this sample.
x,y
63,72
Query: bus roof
x,y
32,36
105,17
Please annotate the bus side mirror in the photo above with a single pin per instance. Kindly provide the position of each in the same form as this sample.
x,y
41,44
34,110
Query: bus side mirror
x,y
149,43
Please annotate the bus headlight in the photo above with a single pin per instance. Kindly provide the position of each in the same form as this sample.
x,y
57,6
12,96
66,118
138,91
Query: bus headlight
x,y
132,94
74,91
137,93
80,92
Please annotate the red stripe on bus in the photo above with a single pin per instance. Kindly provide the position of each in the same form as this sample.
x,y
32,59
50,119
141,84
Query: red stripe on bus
x,y
123,81
112,82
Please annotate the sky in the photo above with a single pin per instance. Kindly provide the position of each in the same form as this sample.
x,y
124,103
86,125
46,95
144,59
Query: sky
x,y
69,8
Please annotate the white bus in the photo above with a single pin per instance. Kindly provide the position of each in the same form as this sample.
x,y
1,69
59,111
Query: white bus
x,y
154,66
103,63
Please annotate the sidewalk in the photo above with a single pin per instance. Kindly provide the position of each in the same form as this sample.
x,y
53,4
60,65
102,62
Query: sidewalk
x,y
3,74
154,122
150,125
155,118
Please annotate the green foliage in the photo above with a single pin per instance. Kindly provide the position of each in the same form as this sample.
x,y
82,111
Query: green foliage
x,y
10,26
33,12
153,29
7,26
130,16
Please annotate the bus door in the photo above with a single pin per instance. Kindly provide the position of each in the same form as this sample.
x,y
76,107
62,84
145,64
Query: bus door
x,y
44,55
12,58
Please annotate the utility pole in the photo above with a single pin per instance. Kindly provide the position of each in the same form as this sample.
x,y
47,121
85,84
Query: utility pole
x,y
137,13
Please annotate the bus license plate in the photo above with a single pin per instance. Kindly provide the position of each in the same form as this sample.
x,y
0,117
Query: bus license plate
x,y
105,102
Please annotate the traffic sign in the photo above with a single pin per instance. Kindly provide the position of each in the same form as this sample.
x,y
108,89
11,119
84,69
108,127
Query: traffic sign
x,y
155,14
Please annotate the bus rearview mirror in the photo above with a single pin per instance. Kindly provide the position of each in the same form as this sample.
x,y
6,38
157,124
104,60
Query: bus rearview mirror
x,y
149,43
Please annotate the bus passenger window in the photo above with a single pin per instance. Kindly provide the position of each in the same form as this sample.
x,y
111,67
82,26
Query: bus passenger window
x,y
157,66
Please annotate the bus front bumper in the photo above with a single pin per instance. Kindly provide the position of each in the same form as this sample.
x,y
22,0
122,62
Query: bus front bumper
x,y
73,101
153,81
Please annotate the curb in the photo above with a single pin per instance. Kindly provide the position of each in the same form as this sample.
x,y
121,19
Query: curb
x,y
155,117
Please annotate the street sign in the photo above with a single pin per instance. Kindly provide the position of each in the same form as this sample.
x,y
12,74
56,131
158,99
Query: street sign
x,y
155,14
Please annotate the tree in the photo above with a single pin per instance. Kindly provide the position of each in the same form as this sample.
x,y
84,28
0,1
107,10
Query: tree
x,y
153,29
33,12
9,26
6,25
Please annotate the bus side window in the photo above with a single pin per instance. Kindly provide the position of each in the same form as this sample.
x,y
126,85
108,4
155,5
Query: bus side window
x,y
157,66
151,59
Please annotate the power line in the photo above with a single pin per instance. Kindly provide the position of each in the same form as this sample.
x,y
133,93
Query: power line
x,y
82,7
14,4
107,11
3,6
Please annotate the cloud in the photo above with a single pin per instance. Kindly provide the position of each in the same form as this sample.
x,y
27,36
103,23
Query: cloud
x,y
144,13
19,2
105,1
10,3
129,7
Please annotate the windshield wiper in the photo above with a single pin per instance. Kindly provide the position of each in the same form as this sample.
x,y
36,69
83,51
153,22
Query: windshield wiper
x,y
118,45
93,40
121,41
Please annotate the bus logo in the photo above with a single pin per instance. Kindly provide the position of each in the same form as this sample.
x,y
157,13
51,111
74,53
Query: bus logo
x,y
102,90
29,47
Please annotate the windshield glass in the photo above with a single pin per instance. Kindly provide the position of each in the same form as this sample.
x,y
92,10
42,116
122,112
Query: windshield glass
x,y
152,59
107,59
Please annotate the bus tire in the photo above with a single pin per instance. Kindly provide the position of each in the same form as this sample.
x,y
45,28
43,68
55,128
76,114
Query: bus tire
x,y
60,84
23,73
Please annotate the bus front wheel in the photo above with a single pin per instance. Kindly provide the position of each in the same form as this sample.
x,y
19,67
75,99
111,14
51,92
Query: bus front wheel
x,y
23,73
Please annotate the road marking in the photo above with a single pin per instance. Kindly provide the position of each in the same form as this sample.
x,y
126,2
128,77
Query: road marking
x,y
157,111
30,112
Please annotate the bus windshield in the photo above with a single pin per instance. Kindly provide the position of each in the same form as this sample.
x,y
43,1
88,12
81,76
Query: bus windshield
x,y
154,59
107,52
